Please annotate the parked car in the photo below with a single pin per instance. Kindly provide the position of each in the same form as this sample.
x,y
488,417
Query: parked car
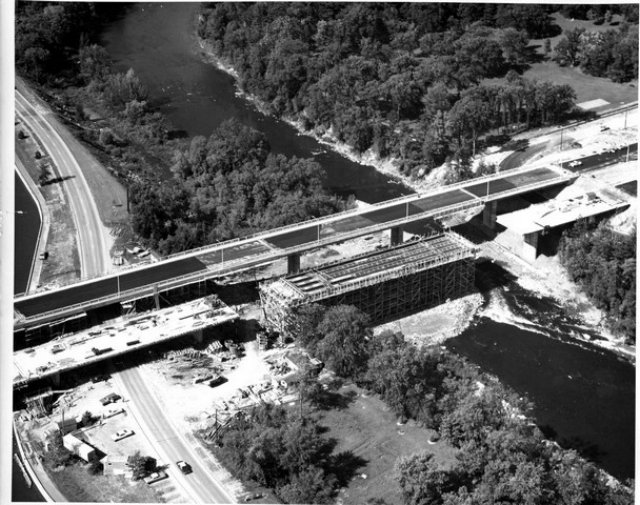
x,y
184,467
112,412
119,435
575,163
155,476
100,378
110,398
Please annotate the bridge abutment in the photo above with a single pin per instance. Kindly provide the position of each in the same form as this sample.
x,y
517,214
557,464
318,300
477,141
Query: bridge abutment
x,y
530,246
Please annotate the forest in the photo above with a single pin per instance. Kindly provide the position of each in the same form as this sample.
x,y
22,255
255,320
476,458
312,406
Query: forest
x,y
501,457
226,186
406,80
221,187
603,263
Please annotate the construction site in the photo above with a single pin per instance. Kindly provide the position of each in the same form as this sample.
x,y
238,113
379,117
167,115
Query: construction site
x,y
117,337
385,284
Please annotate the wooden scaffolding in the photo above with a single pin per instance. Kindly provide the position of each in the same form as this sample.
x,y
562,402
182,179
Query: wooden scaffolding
x,y
385,284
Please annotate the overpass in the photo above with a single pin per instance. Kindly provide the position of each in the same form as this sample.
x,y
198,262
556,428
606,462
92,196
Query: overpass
x,y
217,260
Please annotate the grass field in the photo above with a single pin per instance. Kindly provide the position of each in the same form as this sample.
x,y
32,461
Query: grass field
x,y
77,485
364,426
587,87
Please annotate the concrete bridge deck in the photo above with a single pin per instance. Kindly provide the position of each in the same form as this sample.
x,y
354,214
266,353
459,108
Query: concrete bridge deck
x,y
266,247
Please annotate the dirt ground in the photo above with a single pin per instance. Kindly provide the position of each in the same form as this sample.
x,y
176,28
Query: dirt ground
x,y
433,326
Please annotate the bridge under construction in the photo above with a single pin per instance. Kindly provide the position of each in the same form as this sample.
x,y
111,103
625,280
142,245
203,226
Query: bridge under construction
x,y
385,284
70,303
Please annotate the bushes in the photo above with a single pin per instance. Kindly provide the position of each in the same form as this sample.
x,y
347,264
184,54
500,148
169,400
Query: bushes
x,y
276,449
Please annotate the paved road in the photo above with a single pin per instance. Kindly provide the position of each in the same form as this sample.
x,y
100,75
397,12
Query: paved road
x,y
200,486
94,258
230,257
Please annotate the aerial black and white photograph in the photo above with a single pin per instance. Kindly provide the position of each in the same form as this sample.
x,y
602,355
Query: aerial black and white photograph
x,y
351,253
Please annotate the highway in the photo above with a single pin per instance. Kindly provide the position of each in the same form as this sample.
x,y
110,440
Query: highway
x,y
199,486
93,254
236,255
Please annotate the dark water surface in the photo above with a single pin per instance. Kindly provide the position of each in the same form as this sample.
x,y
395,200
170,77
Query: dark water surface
x,y
27,223
583,396
158,41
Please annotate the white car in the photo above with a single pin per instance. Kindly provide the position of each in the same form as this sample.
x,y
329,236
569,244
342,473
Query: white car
x,y
575,163
155,477
119,435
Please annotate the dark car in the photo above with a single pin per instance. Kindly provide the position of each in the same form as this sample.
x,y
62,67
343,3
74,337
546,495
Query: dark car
x,y
100,378
184,467
110,398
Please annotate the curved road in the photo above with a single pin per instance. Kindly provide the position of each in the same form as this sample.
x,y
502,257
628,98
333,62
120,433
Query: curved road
x,y
200,486
93,253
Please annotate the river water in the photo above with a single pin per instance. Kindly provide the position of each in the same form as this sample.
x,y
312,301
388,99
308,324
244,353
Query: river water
x,y
158,42
27,225
584,396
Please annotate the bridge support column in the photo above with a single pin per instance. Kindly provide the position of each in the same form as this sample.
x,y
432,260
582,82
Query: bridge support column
x,y
293,263
156,297
55,378
397,234
197,335
530,246
489,214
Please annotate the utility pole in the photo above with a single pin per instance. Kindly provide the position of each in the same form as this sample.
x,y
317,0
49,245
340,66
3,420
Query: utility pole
x,y
561,137
628,146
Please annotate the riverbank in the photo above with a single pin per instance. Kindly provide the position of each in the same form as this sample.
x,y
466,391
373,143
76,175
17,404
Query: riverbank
x,y
541,278
36,471
385,166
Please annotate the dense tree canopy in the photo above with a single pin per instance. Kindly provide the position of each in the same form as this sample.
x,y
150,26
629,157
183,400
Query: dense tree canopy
x,y
612,53
273,447
603,263
401,79
226,186
501,456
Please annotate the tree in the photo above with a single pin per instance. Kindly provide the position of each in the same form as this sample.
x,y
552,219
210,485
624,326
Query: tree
x,y
140,466
421,480
311,485
344,346
514,46
88,419
45,174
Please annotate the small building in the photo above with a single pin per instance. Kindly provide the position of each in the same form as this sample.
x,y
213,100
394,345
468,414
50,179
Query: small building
x,y
78,447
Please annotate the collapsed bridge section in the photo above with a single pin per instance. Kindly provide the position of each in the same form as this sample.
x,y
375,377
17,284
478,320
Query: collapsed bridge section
x,y
384,284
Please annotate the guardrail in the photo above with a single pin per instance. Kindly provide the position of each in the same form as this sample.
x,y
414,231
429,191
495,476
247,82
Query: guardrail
x,y
240,264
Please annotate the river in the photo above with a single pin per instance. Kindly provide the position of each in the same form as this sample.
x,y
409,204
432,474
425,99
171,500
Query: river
x,y
27,225
158,41
584,396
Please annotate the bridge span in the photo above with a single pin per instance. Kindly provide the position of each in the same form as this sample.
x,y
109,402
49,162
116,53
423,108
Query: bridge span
x,y
217,260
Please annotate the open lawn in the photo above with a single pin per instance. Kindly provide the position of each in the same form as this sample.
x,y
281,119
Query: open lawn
x,y
78,485
587,87
364,426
